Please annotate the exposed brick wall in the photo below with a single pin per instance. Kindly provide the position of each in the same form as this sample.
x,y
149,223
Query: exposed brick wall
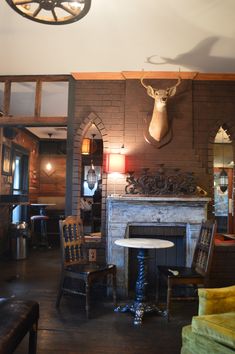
x,y
118,108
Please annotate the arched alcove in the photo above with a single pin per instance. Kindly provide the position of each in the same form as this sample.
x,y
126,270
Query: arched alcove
x,y
85,130
91,191
223,166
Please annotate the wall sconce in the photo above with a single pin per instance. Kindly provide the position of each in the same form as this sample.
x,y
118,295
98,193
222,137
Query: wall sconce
x,y
51,12
115,163
86,146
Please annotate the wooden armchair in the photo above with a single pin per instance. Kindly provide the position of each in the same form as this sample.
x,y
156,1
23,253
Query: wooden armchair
x,y
75,264
195,275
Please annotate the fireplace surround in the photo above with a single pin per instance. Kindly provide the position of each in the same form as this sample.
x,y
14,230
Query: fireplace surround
x,y
126,211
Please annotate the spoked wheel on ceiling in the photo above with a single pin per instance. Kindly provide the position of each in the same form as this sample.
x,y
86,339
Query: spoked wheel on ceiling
x,y
55,12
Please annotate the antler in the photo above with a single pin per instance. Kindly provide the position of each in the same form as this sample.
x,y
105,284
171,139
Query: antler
x,y
150,89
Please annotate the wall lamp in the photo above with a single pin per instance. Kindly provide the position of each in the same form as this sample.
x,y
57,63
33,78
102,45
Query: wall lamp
x,y
115,163
51,12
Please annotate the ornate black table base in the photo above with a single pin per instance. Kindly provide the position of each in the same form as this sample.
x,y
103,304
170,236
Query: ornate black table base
x,y
140,306
139,309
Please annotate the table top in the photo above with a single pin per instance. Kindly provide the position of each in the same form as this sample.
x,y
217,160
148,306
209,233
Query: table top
x,y
232,236
143,243
42,204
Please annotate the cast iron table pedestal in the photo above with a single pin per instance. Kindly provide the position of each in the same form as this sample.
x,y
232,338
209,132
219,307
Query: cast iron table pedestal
x,y
140,305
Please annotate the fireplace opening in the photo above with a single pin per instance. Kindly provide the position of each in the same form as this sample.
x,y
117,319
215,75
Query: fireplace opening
x,y
173,256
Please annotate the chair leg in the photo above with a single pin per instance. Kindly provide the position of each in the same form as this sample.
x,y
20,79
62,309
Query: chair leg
x,y
87,299
114,285
168,301
60,291
157,289
33,339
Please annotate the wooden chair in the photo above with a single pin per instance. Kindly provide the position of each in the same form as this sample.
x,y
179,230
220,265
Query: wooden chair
x,y
75,264
195,275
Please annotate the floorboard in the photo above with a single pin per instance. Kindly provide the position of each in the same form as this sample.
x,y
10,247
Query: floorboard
x,y
67,331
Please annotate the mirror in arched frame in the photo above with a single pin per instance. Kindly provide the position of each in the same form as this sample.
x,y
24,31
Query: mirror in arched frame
x,y
91,180
223,180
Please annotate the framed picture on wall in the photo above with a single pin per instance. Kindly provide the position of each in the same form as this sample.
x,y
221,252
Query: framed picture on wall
x,y
6,160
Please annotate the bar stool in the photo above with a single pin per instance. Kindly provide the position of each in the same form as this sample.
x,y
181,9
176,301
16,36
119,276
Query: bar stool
x,y
39,238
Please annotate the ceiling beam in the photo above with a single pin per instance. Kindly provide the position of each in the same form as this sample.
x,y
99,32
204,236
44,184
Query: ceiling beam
x,y
32,121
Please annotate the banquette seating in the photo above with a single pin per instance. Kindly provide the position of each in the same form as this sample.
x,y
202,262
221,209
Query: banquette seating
x,y
17,318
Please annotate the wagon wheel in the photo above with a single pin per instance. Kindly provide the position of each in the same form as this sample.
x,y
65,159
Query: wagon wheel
x,y
54,12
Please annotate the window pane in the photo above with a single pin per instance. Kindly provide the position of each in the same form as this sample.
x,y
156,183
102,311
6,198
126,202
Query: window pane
x,y
22,98
54,99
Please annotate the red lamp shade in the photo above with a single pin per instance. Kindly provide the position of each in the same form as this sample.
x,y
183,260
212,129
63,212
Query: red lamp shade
x,y
115,163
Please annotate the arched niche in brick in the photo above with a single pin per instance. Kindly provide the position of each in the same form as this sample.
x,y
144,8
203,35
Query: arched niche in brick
x,y
81,132
230,131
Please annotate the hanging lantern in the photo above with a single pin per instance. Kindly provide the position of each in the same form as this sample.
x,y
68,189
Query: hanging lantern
x,y
86,146
115,163
223,180
91,177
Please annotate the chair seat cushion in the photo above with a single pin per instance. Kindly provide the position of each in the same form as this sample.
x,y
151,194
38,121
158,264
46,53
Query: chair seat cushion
x,y
193,343
88,268
219,327
182,272
16,319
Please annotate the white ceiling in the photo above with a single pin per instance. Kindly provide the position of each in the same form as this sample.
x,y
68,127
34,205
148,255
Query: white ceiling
x,y
193,35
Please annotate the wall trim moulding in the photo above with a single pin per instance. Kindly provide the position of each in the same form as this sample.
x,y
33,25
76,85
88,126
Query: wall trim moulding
x,y
127,75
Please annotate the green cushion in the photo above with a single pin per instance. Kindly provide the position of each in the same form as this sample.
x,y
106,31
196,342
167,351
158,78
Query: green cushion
x,y
219,300
219,327
197,344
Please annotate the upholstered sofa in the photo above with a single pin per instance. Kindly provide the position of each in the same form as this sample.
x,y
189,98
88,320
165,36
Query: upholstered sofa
x,y
213,330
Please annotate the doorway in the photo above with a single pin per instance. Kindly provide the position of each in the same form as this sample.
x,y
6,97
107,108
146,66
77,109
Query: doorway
x,y
20,182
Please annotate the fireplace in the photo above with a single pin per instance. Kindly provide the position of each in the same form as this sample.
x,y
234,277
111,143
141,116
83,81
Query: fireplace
x,y
173,256
128,213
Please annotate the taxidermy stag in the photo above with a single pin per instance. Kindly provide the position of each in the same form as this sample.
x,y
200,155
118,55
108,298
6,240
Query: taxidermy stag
x,y
159,126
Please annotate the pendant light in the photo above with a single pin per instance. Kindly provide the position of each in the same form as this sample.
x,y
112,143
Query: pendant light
x,y
51,12
223,176
86,146
49,167
91,175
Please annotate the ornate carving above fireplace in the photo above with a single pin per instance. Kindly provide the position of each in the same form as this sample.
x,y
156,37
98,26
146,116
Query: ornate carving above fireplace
x,y
162,182
124,211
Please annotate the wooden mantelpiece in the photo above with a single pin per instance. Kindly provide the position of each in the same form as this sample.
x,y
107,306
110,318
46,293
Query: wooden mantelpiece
x,y
127,75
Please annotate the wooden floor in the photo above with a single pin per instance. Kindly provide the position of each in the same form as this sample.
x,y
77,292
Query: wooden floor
x,y
67,331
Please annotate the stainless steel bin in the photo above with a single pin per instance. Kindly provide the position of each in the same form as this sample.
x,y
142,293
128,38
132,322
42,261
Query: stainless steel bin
x,y
19,235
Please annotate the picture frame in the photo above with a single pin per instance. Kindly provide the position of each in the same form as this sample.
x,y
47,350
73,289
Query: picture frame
x,y
6,160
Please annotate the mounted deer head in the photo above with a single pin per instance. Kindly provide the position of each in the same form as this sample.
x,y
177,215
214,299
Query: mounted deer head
x,y
159,126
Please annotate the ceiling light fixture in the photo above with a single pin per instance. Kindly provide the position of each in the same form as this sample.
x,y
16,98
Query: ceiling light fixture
x,y
51,12
49,170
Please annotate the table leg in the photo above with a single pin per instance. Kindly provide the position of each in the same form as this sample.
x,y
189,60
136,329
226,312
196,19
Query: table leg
x,y
140,306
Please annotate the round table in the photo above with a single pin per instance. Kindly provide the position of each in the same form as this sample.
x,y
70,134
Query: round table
x,y
140,305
